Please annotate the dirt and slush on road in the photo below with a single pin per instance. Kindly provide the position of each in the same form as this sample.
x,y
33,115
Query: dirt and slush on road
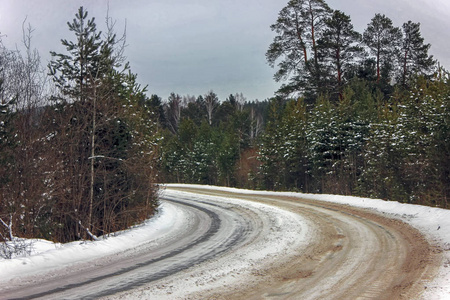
x,y
220,243
355,254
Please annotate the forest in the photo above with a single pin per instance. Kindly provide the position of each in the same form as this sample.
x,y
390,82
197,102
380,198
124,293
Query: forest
x,y
363,114
83,146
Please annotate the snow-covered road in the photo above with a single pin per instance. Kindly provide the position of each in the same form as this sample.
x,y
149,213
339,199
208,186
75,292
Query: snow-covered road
x,y
222,243
202,229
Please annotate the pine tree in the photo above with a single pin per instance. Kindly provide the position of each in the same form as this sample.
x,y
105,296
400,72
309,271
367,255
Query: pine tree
x,y
383,40
104,129
75,73
339,47
413,56
299,26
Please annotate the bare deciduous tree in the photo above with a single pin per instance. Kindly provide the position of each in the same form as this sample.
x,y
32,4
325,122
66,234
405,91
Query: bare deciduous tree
x,y
173,112
211,103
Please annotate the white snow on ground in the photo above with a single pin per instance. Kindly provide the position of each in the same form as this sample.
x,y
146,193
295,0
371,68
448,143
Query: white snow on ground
x,y
47,256
434,223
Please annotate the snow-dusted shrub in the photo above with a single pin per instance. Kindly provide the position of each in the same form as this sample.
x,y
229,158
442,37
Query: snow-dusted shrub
x,y
15,247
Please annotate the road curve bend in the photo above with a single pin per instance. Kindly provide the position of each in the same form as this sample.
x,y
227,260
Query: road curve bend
x,y
340,253
211,229
229,245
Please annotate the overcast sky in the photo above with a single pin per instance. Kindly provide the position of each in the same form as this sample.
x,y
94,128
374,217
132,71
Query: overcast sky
x,y
191,47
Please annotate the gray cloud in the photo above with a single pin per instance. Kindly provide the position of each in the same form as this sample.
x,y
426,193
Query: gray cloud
x,y
190,47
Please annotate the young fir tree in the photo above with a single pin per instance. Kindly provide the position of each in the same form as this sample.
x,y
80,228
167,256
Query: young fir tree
x,y
270,153
294,145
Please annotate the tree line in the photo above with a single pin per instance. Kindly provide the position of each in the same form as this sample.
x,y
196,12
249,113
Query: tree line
x,y
372,117
365,144
358,114
77,139
317,51
210,141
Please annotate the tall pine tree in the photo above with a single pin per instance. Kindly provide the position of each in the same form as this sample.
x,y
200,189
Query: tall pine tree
x,y
340,49
299,26
383,40
413,56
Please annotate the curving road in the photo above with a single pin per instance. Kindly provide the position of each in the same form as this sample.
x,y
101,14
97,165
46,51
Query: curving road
x,y
244,246
210,230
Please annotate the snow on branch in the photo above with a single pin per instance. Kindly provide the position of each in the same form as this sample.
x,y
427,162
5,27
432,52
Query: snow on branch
x,y
93,236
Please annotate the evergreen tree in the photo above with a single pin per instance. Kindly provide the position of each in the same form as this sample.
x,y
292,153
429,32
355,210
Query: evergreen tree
x,y
226,110
299,26
383,40
294,149
74,73
195,110
228,153
154,106
270,152
339,48
106,133
319,135
413,56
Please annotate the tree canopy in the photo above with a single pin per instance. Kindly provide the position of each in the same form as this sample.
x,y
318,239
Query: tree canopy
x,y
316,51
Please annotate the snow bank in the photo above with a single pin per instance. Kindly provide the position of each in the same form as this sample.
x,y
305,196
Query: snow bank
x,y
48,256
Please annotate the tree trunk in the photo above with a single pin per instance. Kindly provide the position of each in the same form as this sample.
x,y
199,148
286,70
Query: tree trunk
x,y
91,193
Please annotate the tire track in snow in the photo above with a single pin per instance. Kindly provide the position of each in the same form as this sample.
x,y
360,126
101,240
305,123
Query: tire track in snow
x,y
75,290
